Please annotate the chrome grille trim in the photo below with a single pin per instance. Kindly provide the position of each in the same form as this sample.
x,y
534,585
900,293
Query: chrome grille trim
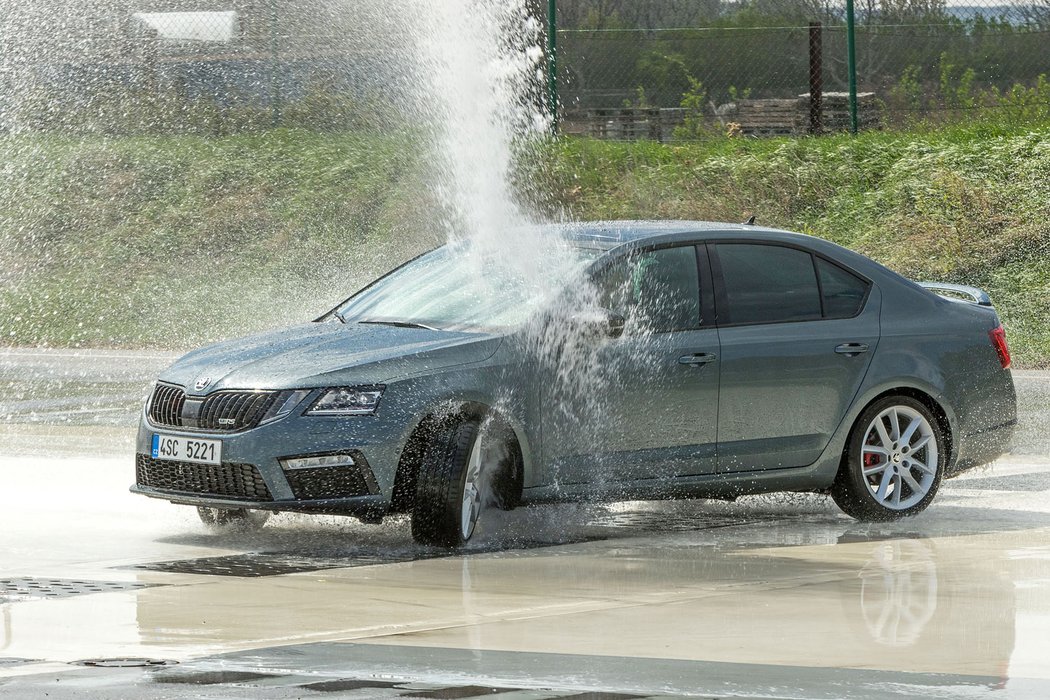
x,y
165,406
221,412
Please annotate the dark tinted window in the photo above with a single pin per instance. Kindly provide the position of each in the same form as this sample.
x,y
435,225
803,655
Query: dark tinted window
x,y
844,292
768,283
657,290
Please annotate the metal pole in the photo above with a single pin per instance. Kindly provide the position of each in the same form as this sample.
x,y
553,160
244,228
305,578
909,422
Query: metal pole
x,y
150,53
816,78
275,77
552,62
851,67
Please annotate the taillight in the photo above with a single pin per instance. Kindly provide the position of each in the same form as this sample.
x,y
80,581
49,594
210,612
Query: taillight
x,y
998,336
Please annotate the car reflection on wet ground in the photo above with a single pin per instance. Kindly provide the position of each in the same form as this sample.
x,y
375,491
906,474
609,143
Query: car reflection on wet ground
x,y
774,597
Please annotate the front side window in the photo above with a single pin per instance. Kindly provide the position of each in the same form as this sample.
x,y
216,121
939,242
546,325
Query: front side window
x,y
768,284
655,291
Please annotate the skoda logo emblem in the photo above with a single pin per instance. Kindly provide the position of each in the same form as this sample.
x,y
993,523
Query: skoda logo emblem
x,y
202,383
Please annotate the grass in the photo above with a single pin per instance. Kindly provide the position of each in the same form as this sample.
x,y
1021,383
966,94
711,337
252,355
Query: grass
x,y
173,241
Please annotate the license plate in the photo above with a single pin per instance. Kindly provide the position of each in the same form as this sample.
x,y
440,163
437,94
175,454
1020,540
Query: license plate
x,y
181,449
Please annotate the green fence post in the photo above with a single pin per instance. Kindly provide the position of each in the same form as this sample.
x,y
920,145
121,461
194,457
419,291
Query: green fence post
x,y
552,62
851,67
275,77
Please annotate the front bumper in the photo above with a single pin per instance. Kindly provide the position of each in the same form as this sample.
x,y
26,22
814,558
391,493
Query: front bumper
x,y
361,506
251,474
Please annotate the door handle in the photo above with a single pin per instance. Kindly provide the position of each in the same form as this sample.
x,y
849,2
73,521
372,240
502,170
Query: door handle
x,y
699,358
851,349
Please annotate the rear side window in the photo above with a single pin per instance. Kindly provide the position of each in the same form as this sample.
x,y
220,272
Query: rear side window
x,y
768,283
844,292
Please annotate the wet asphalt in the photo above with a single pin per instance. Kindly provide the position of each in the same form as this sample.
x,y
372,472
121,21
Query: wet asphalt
x,y
104,594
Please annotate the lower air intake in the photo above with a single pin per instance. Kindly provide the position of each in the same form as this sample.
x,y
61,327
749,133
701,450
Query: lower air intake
x,y
229,479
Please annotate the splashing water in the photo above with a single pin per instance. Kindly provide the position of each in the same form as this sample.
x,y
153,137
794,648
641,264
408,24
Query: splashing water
x,y
480,91
480,76
482,97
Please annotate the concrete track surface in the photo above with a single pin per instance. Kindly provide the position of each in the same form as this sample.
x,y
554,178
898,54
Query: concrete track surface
x,y
107,595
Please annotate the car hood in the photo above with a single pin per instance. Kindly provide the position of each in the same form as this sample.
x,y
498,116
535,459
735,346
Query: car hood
x,y
323,354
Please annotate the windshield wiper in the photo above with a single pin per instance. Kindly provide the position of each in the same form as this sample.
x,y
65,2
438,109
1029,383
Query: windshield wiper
x,y
398,324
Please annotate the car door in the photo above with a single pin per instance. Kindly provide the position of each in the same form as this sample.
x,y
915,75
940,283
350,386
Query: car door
x,y
797,335
649,407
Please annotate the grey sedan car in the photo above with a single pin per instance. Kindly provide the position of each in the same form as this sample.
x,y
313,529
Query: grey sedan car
x,y
643,360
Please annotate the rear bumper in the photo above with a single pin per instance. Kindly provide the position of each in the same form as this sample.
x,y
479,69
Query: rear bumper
x,y
983,446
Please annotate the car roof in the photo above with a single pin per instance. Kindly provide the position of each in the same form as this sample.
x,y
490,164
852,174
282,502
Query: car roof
x,y
609,235
612,234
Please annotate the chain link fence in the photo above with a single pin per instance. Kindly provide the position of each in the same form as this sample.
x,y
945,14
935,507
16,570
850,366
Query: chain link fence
x,y
683,69
666,69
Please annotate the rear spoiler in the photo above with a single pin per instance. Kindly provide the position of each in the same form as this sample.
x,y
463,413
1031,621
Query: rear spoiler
x,y
959,292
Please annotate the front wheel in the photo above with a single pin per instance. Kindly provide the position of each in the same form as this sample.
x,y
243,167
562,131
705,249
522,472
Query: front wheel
x,y
225,519
469,464
894,462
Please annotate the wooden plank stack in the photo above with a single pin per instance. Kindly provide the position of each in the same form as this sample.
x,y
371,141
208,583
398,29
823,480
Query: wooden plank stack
x,y
836,111
778,117
759,118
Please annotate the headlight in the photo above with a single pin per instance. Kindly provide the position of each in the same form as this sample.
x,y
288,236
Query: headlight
x,y
286,401
347,401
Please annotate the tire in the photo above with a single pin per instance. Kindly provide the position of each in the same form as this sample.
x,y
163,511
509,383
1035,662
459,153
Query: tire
x,y
468,465
224,519
882,478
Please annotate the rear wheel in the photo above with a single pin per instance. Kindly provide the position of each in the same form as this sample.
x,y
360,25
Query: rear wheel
x,y
468,465
232,518
894,462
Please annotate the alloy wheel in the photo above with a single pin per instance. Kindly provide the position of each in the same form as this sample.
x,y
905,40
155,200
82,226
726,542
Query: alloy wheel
x,y
471,507
899,457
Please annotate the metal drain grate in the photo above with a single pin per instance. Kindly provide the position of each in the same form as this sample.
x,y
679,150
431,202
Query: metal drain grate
x,y
342,685
860,536
29,588
663,522
258,564
458,693
212,677
125,662
246,565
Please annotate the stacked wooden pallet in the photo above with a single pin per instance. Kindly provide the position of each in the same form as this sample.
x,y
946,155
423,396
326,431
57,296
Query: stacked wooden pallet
x,y
624,123
767,117
779,117
835,108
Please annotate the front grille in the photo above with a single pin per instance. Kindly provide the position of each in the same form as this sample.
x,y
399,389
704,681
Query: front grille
x,y
229,479
327,482
223,411
165,406
234,410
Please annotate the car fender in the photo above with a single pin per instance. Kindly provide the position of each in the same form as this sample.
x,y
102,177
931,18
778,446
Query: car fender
x,y
926,383
479,384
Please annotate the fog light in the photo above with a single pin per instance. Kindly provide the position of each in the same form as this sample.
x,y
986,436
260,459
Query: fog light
x,y
318,461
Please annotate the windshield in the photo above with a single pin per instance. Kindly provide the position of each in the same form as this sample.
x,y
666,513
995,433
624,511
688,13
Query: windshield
x,y
459,285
